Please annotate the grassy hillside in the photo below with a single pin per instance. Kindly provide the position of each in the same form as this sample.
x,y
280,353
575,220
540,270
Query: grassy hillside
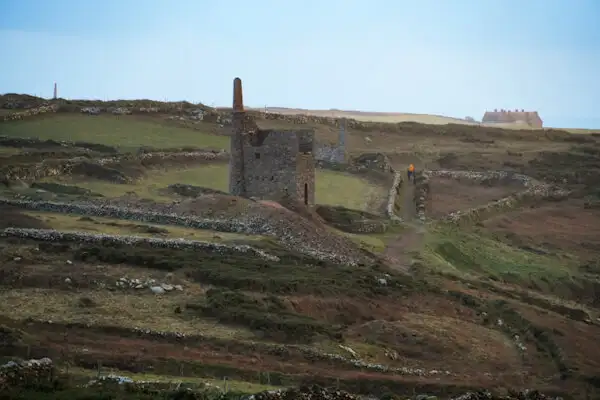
x,y
508,302
125,132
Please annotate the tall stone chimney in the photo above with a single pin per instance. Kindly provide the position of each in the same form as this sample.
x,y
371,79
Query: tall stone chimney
x,y
55,91
238,98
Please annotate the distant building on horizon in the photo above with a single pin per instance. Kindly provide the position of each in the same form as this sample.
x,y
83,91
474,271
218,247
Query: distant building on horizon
x,y
531,118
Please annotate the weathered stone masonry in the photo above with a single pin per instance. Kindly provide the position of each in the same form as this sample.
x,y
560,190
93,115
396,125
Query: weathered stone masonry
x,y
269,164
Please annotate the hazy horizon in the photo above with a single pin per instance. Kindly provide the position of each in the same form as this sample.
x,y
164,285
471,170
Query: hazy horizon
x,y
454,59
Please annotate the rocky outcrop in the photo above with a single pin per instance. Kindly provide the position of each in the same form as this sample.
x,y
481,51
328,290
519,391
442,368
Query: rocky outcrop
x,y
50,235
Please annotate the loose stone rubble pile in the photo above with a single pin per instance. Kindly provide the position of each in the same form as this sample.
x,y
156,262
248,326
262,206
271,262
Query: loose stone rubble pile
x,y
152,284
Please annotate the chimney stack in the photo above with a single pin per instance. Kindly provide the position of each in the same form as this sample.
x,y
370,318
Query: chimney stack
x,y
55,91
238,98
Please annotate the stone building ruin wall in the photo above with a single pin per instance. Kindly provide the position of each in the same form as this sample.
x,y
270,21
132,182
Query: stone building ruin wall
x,y
273,167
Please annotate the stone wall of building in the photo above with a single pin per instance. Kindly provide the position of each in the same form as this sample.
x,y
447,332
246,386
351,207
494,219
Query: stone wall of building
x,y
305,179
331,153
273,165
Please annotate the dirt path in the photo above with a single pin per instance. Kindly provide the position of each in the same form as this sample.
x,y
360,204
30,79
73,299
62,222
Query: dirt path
x,y
400,249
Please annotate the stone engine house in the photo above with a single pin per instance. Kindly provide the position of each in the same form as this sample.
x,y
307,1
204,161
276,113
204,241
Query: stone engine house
x,y
269,164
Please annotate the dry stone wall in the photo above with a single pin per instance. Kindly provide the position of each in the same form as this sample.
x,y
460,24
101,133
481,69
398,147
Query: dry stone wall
x,y
248,224
421,195
31,112
392,205
189,112
534,191
51,235
32,372
488,177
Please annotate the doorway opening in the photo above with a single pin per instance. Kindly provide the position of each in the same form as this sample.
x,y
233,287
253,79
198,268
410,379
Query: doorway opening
x,y
306,194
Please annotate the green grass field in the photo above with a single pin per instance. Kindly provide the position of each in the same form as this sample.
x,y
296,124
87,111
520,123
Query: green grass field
x,y
125,132
466,252
333,188
213,176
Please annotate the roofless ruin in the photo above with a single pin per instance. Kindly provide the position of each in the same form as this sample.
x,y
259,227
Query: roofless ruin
x,y
269,164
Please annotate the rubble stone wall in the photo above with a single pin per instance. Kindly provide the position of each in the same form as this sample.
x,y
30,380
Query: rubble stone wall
x,y
51,235
393,206
31,112
32,372
533,191
333,153
422,198
248,225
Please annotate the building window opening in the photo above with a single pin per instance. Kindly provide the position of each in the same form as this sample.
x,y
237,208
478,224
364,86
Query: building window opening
x,y
257,155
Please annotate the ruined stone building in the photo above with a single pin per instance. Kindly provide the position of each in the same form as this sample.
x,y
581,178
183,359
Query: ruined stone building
x,y
269,164
334,153
530,118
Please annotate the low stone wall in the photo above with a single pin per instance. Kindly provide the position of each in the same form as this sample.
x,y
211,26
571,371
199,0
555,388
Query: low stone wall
x,y
32,373
421,195
534,191
365,227
249,224
19,115
392,206
488,177
35,171
189,112
533,194
51,235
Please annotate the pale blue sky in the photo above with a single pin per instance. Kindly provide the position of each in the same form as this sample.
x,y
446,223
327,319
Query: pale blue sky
x,y
448,57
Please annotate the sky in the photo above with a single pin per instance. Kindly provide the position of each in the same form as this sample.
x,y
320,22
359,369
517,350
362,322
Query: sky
x,y
447,57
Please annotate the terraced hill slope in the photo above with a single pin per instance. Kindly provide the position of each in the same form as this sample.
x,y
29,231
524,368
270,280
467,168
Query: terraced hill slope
x,y
121,252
